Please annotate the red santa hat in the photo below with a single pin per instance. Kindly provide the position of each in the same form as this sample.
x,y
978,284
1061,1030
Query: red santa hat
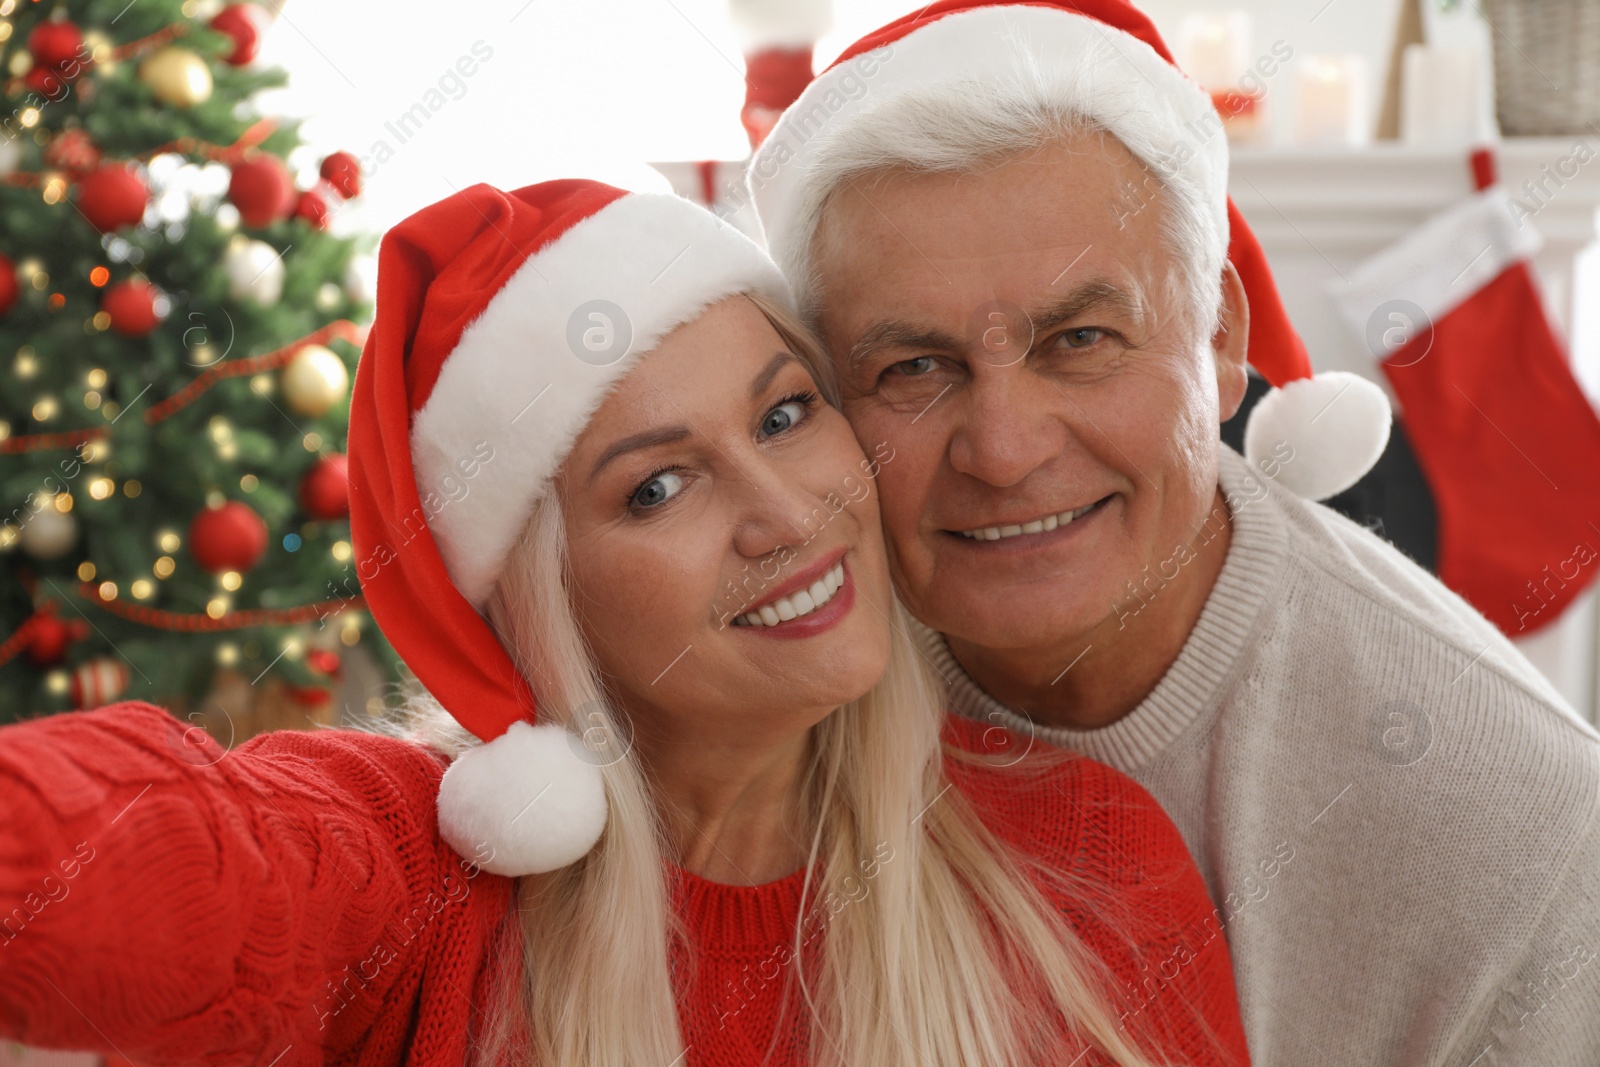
x,y
503,320
1103,60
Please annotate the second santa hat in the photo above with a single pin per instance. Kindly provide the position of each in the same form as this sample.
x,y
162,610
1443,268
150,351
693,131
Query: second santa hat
x,y
503,321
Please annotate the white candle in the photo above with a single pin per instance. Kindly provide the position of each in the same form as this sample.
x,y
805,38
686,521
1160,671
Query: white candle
x,y
1214,47
1439,102
1331,105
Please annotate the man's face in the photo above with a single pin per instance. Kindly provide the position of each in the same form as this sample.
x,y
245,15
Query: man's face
x,y
1020,338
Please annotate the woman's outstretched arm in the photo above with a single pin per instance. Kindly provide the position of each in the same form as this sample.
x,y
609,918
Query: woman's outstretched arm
x,y
171,901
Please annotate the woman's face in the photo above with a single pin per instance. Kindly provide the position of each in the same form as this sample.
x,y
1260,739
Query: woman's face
x,y
722,528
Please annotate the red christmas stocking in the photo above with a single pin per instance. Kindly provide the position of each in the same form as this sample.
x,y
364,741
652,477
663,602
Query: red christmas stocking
x,y
1508,441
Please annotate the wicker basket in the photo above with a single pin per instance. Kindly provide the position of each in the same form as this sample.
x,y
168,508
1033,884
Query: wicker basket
x,y
1546,65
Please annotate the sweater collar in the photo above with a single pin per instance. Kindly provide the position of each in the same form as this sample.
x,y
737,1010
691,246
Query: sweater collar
x,y
1206,667
738,918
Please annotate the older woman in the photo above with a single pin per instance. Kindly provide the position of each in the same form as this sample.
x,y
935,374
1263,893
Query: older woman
x,y
677,788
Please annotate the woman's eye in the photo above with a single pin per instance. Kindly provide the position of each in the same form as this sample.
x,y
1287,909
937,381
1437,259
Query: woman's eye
x,y
782,417
913,367
1081,337
658,489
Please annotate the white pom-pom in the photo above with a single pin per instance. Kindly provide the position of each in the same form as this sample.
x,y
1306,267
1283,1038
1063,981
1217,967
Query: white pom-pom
x,y
525,803
1335,427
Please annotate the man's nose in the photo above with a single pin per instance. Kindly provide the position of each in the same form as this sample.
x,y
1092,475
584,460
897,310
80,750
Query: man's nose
x,y
1008,426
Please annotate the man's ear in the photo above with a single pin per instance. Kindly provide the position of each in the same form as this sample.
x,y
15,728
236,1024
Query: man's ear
x,y
1230,345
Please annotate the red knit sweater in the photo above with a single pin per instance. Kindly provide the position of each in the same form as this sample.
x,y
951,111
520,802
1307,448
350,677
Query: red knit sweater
x,y
290,903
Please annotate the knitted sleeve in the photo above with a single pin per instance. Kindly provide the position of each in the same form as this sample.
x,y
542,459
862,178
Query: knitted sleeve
x,y
1118,870
170,901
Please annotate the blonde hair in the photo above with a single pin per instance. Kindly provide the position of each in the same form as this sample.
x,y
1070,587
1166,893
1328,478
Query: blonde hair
x,y
951,955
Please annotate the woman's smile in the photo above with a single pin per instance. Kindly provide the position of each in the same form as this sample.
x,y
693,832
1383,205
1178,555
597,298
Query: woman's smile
x,y
811,602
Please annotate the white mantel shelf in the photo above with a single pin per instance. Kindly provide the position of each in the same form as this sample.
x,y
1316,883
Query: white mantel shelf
x,y
1318,213
1359,200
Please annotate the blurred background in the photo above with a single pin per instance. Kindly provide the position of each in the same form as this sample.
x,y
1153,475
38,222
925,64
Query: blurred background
x,y
191,193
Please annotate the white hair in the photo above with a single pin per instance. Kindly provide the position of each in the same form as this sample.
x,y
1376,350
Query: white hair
x,y
972,127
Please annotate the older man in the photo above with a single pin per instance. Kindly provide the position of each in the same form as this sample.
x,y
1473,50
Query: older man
x,y
1009,223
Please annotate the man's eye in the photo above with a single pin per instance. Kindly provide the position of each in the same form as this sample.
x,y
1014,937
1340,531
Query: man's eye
x,y
1081,337
911,368
656,490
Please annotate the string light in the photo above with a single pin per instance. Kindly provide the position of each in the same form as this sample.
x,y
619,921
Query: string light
x,y
57,682
217,607
312,442
91,400
100,488
168,541
227,653
249,482
86,571
132,488
231,580
99,276
164,567
63,502
101,320
340,550
45,408
108,590
141,589
26,365
96,379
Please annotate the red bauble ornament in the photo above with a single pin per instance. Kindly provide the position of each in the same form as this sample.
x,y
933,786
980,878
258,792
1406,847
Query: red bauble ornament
x,y
132,307
228,538
313,208
73,152
9,285
46,82
242,23
112,197
342,171
48,638
100,681
56,43
262,190
325,491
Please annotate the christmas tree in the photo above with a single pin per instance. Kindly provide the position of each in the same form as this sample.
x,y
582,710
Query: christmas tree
x,y
178,330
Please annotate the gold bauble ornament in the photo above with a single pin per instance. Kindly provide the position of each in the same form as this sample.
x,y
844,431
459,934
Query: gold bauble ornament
x,y
177,76
314,380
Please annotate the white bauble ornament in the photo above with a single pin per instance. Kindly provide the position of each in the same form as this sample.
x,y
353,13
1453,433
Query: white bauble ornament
x,y
10,154
255,272
361,279
50,534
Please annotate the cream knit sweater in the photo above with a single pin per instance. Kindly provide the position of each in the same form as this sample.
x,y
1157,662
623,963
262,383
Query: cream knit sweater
x,y
1397,816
